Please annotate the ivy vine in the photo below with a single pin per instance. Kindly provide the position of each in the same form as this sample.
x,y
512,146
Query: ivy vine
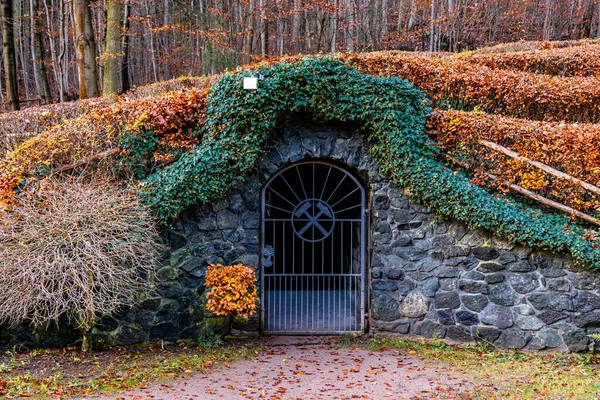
x,y
391,111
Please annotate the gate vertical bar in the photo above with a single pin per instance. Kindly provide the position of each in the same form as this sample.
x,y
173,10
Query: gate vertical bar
x,y
323,297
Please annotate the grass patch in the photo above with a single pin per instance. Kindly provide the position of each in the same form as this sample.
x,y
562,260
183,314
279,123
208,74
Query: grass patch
x,y
57,373
505,374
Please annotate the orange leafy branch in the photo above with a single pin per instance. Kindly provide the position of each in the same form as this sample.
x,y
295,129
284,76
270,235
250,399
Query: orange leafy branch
x,y
233,290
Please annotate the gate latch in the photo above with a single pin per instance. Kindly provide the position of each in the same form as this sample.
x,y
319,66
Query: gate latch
x,y
267,256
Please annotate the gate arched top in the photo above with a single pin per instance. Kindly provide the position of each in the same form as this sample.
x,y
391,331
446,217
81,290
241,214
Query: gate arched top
x,y
313,195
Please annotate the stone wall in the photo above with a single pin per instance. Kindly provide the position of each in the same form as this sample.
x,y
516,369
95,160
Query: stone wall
x,y
429,277
439,279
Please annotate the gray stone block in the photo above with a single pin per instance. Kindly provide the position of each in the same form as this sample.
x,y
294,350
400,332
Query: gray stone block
x,y
466,318
551,301
448,272
459,334
506,258
577,341
587,320
405,287
414,305
559,285
429,329
529,322
524,309
521,266
550,317
513,339
586,301
386,286
384,308
583,281
550,338
486,253
447,300
488,267
402,240
503,295
474,276
486,334
475,302
523,283
429,287
446,317
395,274
494,278
473,286
500,317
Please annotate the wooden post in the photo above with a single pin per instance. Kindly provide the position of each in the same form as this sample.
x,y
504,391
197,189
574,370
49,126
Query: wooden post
x,y
543,167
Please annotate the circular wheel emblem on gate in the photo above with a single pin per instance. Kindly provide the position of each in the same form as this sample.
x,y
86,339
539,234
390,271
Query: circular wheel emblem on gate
x,y
313,220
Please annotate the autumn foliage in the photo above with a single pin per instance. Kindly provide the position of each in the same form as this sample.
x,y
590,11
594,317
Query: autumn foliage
x,y
457,82
581,60
539,99
172,117
570,148
232,290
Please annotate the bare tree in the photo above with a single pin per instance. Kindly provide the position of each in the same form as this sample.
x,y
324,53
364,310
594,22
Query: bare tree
x,y
85,49
548,23
8,48
38,51
112,48
125,85
74,249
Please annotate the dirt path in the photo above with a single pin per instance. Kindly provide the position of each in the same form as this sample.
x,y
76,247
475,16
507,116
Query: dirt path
x,y
304,368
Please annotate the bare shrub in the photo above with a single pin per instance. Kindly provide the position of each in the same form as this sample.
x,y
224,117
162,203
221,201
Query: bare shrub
x,y
75,249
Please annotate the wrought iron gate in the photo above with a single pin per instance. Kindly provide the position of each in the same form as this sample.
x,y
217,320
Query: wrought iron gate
x,y
313,251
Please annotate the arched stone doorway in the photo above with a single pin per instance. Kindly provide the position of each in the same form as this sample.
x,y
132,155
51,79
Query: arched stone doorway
x,y
313,255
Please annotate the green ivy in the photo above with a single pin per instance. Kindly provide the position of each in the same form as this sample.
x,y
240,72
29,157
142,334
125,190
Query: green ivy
x,y
136,151
393,115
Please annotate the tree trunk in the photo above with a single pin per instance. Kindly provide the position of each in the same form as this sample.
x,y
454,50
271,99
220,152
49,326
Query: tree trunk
x,y
51,27
151,38
264,35
432,27
38,44
86,342
87,320
249,30
110,78
548,29
85,49
384,18
37,79
21,50
412,16
125,84
295,42
8,49
350,18
333,25
598,26
63,71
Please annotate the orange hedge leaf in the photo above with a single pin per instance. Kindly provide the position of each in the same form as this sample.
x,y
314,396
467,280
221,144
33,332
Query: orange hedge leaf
x,y
570,148
233,290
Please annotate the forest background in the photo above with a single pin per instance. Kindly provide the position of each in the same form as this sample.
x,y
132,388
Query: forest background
x,y
59,50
